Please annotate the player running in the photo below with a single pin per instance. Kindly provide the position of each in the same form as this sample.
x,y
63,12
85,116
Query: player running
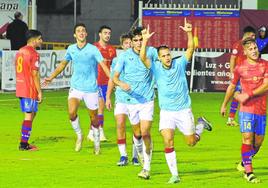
x,y
85,58
253,75
28,88
121,112
174,99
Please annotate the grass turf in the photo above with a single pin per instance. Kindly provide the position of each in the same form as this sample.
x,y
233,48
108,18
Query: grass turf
x,y
211,163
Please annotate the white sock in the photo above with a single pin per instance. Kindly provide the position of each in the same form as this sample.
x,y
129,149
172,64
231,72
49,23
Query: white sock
x,y
122,149
76,127
172,163
134,151
96,135
199,129
147,158
138,145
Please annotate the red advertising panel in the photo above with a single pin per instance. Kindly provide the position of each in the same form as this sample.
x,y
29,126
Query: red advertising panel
x,y
215,29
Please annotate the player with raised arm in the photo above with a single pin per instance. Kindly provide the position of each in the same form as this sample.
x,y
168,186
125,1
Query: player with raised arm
x,y
174,99
121,112
108,52
85,58
137,82
253,75
28,88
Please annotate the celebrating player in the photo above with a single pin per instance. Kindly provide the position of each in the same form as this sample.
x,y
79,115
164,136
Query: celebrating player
x,y
108,52
85,58
174,99
121,111
137,82
28,87
253,75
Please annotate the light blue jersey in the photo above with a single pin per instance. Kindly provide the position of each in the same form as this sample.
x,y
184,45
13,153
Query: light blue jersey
x,y
120,95
173,92
85,62
137,75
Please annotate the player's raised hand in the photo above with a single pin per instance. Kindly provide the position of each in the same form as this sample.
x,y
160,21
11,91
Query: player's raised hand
x,y
187,26
146,33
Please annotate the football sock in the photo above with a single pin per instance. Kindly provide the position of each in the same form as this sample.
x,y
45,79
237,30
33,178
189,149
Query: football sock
x,y
170,155
134,151
122,147
233,108
138,143
246,152
26,131
101,120
76,127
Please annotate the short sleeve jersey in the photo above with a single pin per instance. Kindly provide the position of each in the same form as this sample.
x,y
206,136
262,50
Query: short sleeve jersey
x,y
251,77
108,54
85,64
27,61
137,75
173,92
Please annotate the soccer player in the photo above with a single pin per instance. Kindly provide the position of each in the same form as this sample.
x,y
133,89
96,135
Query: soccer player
x,y
108,52
28,88
174,99
253,75
237,56
85,58
137,82
121,111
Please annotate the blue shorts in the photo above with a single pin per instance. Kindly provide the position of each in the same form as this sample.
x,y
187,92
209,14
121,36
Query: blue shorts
x,y
238,87
252,123
103,91
28,105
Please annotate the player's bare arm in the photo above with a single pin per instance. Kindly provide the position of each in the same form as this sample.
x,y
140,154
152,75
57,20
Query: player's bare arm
x,y
262,89
232,65
57,71
110,88
190,45
105,69
121,84
146,35
36,78
228,95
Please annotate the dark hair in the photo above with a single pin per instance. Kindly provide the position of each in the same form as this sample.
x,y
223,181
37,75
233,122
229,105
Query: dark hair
x,y
104,27
249,29
78,25
17,14
162,47
248,40
136,31
32,34
124,37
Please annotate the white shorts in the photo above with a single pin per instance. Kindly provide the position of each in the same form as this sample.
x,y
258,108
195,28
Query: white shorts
x,y
120,108
91,100
138,112
183,120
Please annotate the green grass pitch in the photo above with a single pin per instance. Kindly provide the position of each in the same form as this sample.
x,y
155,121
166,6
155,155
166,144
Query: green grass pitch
x,y
211,163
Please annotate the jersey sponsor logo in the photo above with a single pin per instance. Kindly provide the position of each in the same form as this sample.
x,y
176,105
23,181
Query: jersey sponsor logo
x,y
235,51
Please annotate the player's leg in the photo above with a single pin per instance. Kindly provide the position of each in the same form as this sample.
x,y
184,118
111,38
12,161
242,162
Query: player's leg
x,y
167,127
247,122
29,107
259,133
73,104
146,118
92,104
233,108
102,100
